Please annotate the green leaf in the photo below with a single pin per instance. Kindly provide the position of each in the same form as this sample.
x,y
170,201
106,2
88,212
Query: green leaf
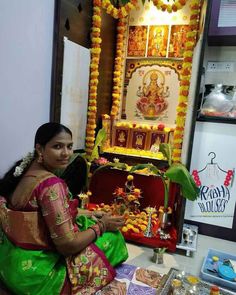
x,y
101,136
151,168
165,149
178,173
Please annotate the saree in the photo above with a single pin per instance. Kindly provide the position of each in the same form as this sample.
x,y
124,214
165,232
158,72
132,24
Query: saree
x,y
29,263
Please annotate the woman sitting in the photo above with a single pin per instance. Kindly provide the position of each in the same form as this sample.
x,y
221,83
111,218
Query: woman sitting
x,y
46,246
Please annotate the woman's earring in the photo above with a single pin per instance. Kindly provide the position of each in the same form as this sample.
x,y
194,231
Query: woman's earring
x,y
40,159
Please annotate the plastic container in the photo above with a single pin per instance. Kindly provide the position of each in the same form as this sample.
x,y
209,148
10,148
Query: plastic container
x,y
212,277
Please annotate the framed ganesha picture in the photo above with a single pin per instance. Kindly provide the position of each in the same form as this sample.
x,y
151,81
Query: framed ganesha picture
x,y
151,90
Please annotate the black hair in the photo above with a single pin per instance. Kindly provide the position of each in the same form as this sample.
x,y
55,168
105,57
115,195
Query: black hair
x,y
49,130
43,135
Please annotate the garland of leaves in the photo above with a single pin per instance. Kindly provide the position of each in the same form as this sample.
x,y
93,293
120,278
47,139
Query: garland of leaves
x,y
185,80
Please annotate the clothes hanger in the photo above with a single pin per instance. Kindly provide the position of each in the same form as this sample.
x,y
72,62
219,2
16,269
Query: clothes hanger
x,y
212,163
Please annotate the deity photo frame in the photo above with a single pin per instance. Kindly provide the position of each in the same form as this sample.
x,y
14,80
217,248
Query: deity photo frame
x,y
139,139
151,90
137,41
121,137
157,137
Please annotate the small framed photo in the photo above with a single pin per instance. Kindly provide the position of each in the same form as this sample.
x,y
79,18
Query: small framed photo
x,y
139,139
157,137
121,137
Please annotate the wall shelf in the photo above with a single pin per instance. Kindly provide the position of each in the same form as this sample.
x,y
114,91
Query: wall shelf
x,y
216,119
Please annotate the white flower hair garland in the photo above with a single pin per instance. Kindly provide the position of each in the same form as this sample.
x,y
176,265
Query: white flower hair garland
x,y
24,163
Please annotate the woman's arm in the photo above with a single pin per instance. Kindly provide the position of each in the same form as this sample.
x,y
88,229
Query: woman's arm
x,y
82,239
95,213
64,233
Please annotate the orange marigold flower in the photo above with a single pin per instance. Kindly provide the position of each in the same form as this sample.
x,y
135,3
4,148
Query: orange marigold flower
x,y
174,7
163,7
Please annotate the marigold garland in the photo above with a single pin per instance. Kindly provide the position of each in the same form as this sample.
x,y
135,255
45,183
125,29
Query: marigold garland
x,y
116,12
169,7
94,73
121,13
185,80
117,74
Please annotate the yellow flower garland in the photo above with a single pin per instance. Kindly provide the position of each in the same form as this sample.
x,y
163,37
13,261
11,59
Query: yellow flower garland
x,y
95,51
117,12
169,7
185,80
94,73
117,74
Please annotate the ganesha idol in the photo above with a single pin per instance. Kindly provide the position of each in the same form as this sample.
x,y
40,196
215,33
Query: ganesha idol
x,y
152,102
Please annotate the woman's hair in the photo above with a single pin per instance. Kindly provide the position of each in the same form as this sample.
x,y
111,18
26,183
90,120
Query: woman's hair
x,y
49,130
43,135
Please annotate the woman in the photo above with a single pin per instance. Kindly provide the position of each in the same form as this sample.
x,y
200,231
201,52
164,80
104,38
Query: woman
x,y
45,247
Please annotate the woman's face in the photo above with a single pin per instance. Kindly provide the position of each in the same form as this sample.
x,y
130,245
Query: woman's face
x,y
57,152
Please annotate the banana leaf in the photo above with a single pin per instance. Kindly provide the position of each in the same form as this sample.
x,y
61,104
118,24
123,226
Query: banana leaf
x,y
151,167
166,150
101,136
178,173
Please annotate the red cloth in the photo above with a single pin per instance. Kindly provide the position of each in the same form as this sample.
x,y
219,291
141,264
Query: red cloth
x,y
154,242
105,181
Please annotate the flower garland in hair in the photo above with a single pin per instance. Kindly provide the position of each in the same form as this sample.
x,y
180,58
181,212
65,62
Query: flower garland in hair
x,y
169,7
117,78
23,164
185,80
116,12
94,73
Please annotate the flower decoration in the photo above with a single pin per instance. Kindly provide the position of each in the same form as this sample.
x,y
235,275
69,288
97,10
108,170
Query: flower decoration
x,y
122,13
101,161
119,192
95,58
117,74
116,12
196,178
127,199
229,177
24,163
167,210
185,80
177,5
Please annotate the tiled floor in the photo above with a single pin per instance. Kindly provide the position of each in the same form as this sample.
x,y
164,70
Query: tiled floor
x,y
142,256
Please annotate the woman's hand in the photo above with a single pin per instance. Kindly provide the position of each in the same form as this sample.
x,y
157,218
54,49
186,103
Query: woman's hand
x,y
88,213
112,223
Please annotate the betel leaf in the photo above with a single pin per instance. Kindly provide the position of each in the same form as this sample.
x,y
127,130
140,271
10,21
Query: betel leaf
x,y
101,136
178,173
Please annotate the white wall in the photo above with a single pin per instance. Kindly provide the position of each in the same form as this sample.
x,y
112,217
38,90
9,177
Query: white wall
x,y
26,32
220,53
